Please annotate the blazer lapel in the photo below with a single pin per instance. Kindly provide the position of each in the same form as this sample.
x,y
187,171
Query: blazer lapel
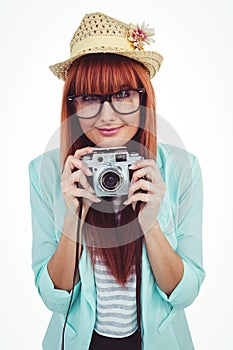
x,y
87,279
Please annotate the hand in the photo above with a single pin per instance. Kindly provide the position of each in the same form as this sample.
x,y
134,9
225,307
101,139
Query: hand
x,y
70,179
147,179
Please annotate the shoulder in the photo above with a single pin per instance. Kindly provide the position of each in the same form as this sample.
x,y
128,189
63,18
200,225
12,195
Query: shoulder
x,y
47,162
176,159
45,170
179,168
169,153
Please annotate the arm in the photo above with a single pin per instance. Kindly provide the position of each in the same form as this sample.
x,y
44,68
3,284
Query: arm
x,y
62,263
45,242
53,259
178,273
189,238
166,264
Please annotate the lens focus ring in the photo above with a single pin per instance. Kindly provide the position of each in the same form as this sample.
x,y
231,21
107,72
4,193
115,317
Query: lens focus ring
x,y
110,180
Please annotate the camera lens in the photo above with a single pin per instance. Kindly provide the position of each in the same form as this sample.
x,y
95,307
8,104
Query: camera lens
x,y
110,180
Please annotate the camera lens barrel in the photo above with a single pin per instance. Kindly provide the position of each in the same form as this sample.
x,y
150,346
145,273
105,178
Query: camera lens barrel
x,y
110,180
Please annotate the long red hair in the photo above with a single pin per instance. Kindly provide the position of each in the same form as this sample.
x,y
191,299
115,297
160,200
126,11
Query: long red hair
x,y
105,73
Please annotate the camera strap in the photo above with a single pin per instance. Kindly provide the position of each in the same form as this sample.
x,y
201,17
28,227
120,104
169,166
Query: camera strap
x,y
116,209
75,272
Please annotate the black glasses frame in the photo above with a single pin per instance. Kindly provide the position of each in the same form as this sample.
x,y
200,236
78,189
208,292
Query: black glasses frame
x,y
108,98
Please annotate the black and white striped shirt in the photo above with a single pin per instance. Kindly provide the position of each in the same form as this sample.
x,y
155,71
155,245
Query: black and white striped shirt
x,y
116,314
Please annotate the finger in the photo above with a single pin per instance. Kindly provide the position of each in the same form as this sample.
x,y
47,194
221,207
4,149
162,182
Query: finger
x,y
143,163
133,206
141,185
83,151
72,163
147,172
79,177
143,197
82,193
152,189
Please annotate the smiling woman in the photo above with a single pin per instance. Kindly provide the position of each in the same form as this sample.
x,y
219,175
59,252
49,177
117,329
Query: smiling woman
x,y
118,117
122,265
118,113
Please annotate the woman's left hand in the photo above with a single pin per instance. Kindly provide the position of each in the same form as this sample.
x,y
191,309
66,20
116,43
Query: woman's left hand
x,y
148,187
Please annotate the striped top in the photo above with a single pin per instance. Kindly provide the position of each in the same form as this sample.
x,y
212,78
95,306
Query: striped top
x,y
116,314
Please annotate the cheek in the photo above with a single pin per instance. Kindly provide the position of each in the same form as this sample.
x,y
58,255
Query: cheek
x,y
130,131
88,129
131,127
85,125
134,121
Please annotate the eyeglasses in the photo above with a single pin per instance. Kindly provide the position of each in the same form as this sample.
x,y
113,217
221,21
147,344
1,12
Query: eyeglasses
x,y
123,102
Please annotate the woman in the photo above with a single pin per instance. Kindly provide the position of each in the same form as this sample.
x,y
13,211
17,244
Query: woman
x,y
117,269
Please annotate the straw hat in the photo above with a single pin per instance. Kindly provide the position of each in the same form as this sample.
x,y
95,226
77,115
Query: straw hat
x,y
99,33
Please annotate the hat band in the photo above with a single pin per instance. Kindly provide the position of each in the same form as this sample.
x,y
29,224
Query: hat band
x,y
90,43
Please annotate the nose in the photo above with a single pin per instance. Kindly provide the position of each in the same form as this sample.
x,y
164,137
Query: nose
x,y
107,114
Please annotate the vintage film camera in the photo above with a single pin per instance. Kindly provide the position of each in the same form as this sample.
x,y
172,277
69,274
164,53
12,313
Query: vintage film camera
x,y
110,167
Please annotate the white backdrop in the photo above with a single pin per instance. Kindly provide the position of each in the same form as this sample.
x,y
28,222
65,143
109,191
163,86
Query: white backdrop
x,y
194,94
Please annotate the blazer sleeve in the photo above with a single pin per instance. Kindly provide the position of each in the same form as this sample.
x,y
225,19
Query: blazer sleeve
x,y
189,237
44,243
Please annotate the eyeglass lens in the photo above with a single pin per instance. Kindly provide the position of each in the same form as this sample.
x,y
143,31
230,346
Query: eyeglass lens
x,y
123,102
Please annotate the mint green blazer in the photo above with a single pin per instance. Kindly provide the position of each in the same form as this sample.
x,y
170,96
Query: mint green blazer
x,y
163,320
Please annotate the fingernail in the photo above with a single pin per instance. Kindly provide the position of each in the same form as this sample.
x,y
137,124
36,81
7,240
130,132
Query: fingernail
x,y
132,166
97,200
91,190
89,172
132,181
126,202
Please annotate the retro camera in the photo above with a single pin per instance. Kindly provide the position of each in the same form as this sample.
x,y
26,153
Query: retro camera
x,y
110,167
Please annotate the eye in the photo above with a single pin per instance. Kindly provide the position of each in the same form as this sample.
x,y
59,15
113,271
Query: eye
x,y
90,98
122,94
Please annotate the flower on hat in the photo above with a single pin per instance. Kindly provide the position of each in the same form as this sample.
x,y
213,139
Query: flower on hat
x,y
139,36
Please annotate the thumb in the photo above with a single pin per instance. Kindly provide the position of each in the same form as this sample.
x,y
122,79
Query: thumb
x,y
134,206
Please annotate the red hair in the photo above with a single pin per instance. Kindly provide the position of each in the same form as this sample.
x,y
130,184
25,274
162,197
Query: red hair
x,y
105,73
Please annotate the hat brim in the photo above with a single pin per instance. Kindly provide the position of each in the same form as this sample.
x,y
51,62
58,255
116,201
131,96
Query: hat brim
x,y
150,59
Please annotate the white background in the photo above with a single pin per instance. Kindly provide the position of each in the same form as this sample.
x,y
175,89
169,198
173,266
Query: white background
x,y
194,94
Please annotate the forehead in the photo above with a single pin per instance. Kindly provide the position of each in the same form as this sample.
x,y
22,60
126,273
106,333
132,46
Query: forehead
x,y
105,74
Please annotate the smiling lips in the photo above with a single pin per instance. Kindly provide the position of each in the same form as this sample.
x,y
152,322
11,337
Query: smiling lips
x,y
109,132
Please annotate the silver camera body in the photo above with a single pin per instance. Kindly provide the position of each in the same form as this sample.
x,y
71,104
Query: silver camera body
x,y
110,168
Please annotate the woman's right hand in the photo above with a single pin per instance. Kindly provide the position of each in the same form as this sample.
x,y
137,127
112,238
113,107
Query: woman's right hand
x,y
70,179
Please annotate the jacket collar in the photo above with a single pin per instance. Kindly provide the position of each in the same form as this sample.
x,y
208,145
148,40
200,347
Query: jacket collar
x,y
158,156
87,278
